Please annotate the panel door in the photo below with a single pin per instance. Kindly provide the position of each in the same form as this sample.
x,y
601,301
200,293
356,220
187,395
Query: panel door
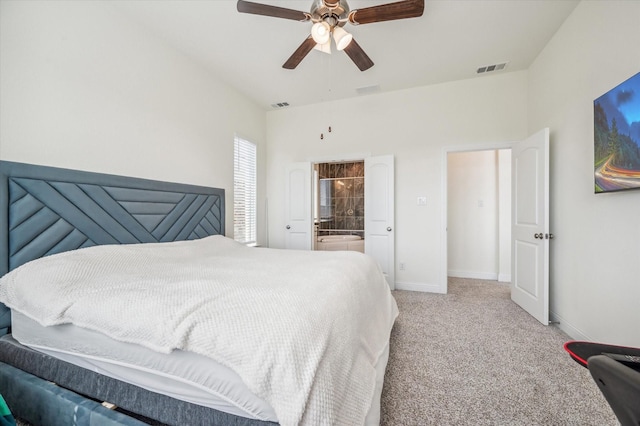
x,y
298,209
530,225
379,241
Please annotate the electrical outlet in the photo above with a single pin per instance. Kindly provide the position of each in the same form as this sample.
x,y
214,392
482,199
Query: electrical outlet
x,y
402,266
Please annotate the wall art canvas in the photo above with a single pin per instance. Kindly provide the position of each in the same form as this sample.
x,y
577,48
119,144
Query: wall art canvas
x,y
616,122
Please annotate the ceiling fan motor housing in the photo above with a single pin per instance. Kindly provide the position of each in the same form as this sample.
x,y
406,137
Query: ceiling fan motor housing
x,y
334,13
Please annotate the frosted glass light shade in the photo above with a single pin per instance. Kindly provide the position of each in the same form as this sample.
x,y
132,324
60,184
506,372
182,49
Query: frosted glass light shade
x,y
342,38
321,32
324,48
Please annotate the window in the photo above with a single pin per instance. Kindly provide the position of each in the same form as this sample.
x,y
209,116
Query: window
x,y
244,191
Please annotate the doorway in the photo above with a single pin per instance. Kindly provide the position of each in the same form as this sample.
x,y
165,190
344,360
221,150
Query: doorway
x,y
476,156
529,222
479,214
379,233
339,205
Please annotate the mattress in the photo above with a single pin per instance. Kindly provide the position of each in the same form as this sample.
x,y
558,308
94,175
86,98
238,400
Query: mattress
x,y
181,375
47,381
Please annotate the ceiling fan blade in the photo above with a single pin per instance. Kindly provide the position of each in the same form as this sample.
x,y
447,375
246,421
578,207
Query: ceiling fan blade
x,y
300,53
358,56
387,12
274,11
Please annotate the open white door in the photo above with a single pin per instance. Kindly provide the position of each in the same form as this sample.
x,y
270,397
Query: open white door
x,y
379,213
530,225
298,218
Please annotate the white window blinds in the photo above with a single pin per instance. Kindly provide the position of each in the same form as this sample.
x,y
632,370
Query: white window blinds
x,y
244,191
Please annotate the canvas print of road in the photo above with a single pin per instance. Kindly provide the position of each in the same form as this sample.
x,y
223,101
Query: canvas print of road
x,y
616,117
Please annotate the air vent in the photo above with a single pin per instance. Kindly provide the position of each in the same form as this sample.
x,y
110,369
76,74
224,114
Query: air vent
x,y
280,105
367,90
491,68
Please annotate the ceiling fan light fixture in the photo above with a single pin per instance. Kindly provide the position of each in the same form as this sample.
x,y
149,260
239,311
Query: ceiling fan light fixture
x,y
321,32
324,48
342,38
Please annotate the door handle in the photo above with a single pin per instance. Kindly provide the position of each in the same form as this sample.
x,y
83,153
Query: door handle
x,y
389,228
288,227
542,236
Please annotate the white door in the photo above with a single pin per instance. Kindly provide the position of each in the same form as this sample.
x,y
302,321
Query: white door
x,y
530,225
298,217
379,213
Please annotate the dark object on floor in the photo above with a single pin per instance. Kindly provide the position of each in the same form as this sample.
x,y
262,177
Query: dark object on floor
x,y
616,371
620,385
580,351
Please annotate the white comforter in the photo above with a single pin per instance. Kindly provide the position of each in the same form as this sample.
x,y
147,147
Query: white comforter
x,y
302,329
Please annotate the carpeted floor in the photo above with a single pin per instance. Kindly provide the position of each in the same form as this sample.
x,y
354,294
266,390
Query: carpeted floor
x,y
473,357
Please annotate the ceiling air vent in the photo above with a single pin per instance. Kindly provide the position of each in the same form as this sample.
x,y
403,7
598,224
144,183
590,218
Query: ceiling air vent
x,y
368,89
491,68
280,105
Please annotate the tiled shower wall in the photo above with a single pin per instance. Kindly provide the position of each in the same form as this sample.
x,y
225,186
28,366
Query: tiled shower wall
x,y
341,198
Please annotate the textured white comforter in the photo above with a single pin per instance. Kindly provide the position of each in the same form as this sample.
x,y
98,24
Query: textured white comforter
x,y
302,329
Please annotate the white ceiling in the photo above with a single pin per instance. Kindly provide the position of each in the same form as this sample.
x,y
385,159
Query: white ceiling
x,y
449,42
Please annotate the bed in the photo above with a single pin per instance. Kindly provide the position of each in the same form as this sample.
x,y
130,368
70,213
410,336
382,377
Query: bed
x,y
231,335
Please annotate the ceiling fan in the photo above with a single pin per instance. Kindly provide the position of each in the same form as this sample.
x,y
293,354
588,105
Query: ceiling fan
x,y
328,17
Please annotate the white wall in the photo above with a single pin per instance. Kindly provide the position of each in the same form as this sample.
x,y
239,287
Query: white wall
x,y
413,125
595,256
473,197
84,87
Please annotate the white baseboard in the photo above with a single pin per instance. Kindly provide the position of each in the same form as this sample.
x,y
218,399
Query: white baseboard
x,y
567,327
504,278
424,287
473,275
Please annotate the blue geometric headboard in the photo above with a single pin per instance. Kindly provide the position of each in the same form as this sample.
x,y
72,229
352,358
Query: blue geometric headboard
x,y
47,210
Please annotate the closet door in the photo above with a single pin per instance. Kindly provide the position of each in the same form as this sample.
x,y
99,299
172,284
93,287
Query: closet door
x,y
379,239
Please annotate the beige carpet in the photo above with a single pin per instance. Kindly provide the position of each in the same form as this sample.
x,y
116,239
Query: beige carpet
x,y
473,357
